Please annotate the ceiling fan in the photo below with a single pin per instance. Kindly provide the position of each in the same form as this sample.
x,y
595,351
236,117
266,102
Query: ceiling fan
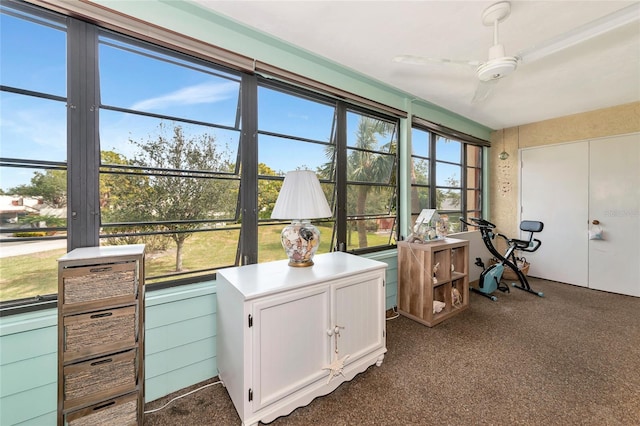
x,y
499,65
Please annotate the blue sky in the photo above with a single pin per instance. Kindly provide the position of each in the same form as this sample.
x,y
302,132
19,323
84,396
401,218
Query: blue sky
x,y
33,57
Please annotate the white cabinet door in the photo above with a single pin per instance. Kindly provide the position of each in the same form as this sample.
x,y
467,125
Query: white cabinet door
x,y
554,190
358,305
290,343
614,200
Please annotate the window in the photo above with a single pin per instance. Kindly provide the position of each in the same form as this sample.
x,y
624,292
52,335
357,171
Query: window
x,y
337,142
169,175
294,132
371,180
473,202
446,175
448,179
33,163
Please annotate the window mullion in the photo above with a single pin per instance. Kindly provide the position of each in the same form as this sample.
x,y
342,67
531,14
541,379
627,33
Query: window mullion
x,y
249,169
463,183
341,177
83,148
433,203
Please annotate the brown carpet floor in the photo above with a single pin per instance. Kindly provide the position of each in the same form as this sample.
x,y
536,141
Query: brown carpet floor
x,y
570,358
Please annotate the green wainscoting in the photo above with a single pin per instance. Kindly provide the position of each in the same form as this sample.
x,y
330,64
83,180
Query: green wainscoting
x,y
180,340
180,348
28,368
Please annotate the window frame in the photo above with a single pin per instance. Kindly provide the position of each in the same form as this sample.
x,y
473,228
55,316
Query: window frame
x,y
110,38
434,132
55,21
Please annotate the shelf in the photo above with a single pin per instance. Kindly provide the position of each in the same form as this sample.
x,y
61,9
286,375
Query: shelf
x,y
434,272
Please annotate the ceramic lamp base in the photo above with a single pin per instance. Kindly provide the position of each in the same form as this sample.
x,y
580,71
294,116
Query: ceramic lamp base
x,y
300,241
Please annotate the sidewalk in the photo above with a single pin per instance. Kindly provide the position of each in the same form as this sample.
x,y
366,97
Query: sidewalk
x,y
29,247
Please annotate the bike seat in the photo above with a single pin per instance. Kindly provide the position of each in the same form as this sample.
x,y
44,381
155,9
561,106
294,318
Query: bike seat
x,y
532,244
531,226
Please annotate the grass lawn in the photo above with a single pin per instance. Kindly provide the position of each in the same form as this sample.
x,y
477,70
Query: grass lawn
x,y
37,273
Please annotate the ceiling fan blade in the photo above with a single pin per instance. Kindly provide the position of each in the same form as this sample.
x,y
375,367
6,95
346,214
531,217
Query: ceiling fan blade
x,y
423,60
582,33
483,90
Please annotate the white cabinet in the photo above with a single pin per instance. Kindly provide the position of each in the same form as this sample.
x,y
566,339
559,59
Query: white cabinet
x,y
283,332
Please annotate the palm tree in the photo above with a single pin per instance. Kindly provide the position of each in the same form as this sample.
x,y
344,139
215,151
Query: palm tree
x,y
366,164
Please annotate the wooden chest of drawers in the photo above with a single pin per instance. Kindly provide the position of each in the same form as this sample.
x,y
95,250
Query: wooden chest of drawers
x,y
101,336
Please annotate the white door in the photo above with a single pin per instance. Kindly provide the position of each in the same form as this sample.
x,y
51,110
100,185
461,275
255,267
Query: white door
x,y
568,187
614,201
554,191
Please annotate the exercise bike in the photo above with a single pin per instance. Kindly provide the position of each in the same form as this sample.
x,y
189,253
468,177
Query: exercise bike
x,y
491,277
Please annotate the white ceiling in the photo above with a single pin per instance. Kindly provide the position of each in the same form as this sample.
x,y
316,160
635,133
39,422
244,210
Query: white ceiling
x,y
365,36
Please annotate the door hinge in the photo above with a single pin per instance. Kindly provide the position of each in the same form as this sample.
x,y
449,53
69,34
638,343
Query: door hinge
x,y
250,320
250,394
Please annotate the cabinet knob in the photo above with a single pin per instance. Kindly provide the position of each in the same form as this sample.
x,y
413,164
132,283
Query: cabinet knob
x,y
335,330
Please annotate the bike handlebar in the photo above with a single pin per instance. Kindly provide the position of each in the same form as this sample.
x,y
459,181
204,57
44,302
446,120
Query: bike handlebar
x,y
479,223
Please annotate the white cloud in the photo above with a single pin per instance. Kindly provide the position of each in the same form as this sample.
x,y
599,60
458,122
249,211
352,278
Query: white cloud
x,y
198,94
300,116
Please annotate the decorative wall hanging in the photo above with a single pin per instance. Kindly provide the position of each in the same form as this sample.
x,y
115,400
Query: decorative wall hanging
x,y
504,171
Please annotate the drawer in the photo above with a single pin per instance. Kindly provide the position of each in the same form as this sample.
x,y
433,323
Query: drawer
x,y
99,378
99,332
122,411
107,283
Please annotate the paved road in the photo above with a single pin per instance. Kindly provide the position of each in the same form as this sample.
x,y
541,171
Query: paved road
x,y
28,247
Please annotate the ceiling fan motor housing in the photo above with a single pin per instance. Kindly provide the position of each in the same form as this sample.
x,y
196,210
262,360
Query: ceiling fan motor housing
x,y
498,65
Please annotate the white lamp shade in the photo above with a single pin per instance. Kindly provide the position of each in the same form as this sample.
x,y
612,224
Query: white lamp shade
x,y
301,197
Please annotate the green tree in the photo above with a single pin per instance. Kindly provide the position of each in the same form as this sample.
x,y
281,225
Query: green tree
x,y
50,221
120,202
268,191
366,165
420,175
180,190
448,197
51,185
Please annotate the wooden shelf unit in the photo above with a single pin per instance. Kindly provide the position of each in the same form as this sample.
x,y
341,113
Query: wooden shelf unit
x,y
417,288
101,336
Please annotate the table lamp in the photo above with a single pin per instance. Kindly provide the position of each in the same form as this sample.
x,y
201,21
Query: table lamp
x,y
301,199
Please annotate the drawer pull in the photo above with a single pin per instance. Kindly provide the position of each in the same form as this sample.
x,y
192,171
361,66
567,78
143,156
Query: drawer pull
x,y
103,315
103,269
100,407
103,361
